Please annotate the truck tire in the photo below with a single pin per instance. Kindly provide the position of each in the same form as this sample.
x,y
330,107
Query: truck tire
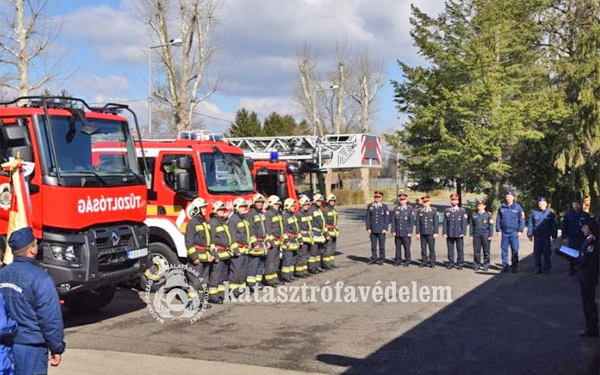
x,y
90,300
162,257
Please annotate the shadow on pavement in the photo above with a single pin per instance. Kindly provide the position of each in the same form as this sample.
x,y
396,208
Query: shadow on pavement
x,y
512,324
124,302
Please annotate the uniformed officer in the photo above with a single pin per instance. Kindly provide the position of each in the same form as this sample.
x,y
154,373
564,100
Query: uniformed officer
x,y
588,278
242,235
319,232
454,231
274,225
377,220
541,228
221,243
571,230
331,218
510,222
482,231
197,242
258,250
403,222
291,236
427,227
32,301
305,220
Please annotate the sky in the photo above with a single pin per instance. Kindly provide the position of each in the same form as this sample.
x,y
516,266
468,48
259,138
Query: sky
x,y
106,51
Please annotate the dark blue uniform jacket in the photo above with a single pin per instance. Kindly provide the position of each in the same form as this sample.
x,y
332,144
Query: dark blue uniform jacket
x,y
32,301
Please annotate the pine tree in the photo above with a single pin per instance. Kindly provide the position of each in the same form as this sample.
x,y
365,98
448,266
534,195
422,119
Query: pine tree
x,y
246,124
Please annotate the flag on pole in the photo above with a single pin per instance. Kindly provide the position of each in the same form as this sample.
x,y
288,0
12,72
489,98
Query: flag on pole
x,y
20,208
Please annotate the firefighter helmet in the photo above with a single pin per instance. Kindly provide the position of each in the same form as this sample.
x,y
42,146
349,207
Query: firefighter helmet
x,y
274,199
218,205
304,200
318,197
331,197
258,198
239,202
193,208
289,203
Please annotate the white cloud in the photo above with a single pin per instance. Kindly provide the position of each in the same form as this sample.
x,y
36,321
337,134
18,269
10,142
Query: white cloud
x,y
260,37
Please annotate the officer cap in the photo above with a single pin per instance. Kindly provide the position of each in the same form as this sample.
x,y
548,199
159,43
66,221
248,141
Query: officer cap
x,y
378,194
454,196
542,199
509,192
402,196
426,198
21,239
479,201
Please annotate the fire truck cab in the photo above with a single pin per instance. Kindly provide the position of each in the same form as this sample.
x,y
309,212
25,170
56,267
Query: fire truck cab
x,y
181,170
87,214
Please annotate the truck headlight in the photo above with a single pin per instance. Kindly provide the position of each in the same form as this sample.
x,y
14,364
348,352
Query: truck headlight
x,y
65,253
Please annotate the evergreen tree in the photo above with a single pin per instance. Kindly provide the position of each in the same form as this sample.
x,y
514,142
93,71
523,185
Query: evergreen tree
x,y
246,124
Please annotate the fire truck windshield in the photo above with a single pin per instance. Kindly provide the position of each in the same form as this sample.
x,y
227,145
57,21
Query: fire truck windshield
x,y
226,173
69,148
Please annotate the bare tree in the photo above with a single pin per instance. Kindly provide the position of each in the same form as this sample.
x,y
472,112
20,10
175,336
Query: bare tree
x,y
188,77
368,80
26,40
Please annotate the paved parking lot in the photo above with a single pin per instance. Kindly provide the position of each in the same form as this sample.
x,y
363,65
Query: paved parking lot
x,y
494,324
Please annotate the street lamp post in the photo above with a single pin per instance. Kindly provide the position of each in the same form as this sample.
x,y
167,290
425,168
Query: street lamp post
x,y
333,87
173,42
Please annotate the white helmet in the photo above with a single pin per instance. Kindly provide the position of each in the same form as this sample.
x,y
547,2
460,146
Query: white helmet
x,y
331,197
218,205
289,203
239,202
304,200
258,198
274,199
194,207
318,197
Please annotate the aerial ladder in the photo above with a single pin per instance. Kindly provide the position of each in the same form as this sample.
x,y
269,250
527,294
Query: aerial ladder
x,y
317,154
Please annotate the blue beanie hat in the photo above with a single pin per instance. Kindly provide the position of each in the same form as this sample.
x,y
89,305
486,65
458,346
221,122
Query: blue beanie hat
x,y
21,238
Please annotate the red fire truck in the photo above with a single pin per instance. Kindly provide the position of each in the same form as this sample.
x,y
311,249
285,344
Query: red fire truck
x,y
87,214
180,170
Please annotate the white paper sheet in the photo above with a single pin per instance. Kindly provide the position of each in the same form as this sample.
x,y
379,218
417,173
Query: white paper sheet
x,y
569,251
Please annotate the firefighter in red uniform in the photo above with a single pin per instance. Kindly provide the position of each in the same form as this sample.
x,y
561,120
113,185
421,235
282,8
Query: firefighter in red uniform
x,y
197,242
274,225
319,232
331,218
291,244
220,247
242,235
305,220
258,250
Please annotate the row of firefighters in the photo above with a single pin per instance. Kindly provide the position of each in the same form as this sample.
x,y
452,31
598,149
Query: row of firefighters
x,y
264,243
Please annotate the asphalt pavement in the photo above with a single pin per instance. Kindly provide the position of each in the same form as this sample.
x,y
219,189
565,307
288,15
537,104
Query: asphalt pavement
x,y
494,324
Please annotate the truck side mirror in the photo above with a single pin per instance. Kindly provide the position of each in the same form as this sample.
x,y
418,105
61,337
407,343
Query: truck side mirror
x,y
14,140
183,183
184,162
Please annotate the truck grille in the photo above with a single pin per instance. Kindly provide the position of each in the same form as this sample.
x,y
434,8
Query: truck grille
x,y
112,245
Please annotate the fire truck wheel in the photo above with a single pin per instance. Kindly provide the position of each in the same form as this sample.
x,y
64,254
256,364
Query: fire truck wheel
x,y
162,259
90,300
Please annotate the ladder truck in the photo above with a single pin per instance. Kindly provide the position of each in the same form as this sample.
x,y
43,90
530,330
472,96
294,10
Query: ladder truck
x,y
277,160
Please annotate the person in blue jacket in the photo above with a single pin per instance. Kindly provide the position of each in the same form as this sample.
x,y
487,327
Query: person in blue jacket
x,y
377,221
8,330
510,223
541,229
32,301
571,230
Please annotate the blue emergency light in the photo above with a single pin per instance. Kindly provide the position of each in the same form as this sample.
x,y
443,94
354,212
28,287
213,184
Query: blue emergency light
x,y
274,156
